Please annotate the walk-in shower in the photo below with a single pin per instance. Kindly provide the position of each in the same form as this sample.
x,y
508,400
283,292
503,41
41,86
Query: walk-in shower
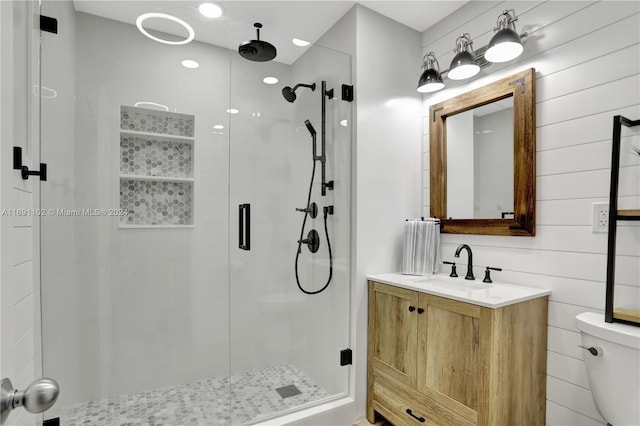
x,y
158,314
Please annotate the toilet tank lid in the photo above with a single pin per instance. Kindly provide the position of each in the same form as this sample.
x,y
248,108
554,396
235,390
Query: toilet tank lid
x,y
593,324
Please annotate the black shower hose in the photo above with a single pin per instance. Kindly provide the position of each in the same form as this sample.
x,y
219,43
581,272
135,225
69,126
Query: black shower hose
x,y
326,233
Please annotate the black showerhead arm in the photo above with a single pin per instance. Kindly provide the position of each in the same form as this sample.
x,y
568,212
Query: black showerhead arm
x,y
310,86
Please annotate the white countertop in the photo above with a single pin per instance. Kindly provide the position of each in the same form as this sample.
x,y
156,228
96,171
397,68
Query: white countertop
x,y
495,295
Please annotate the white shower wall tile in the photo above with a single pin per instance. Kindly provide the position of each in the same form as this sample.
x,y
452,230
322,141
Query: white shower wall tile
x,y
240,399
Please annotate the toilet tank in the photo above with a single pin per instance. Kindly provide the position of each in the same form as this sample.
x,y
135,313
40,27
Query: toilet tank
x,y
614,374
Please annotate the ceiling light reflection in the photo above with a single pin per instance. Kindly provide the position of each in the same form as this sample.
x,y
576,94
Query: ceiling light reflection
x,y
152,15
189,63
301,43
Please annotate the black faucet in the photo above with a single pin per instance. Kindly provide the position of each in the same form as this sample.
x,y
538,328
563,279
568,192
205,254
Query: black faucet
x,y
469,275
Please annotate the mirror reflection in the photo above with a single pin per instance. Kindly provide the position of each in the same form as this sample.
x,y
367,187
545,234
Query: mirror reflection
x,y
480,162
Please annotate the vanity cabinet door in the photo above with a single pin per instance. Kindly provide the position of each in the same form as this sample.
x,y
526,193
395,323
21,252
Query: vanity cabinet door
x,y
453,343
393,328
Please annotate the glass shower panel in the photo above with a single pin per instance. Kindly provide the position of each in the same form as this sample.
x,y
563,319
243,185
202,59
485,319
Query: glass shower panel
x,y
285,344
134,246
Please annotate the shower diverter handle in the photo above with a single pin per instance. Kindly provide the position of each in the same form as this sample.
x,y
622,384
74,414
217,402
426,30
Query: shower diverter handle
x,y
312,210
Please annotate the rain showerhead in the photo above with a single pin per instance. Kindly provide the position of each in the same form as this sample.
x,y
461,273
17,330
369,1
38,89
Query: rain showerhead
x,y
290,94
310,127
257,50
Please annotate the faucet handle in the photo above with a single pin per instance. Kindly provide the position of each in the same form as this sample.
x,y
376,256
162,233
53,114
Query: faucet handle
x,y
453,273
487,274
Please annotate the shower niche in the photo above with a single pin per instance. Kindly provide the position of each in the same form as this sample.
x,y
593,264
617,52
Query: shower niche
x,y
156,168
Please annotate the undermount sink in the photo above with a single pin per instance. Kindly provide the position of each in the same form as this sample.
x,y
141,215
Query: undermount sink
x,y
459,284
490,295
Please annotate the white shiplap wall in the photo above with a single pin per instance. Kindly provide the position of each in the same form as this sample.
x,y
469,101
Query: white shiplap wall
x,y
587,61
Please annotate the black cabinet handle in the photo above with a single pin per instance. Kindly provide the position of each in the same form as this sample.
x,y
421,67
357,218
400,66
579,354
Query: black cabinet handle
x,y
244,226
420,419
412,308
420,311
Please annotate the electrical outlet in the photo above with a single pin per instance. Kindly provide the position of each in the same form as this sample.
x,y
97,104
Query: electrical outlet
x,y
600,217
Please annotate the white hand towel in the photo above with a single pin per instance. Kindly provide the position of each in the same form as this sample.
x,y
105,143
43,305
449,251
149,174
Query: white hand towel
x,y
420,247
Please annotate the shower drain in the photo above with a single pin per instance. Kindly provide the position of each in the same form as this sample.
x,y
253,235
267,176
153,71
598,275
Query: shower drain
x,y
288,391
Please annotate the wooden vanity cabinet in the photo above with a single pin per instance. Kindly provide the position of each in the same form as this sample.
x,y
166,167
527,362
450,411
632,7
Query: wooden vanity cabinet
x,y
438,361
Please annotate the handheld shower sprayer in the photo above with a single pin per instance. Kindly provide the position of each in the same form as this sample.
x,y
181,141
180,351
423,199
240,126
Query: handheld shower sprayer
x,y
290,94
310,127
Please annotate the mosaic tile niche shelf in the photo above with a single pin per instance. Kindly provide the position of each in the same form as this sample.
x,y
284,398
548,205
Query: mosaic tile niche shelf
x,y
156,168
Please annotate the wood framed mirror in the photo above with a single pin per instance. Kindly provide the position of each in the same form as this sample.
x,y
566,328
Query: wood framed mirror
x,y
516,220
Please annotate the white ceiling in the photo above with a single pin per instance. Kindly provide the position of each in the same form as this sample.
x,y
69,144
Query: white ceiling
x,y
281,20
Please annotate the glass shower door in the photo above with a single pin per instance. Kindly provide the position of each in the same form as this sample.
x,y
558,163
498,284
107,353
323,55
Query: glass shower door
x,y
285,344
134,255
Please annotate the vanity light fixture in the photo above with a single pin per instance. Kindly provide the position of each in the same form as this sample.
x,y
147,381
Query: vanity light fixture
x,y
154,15
211,10
430,80
505,44
464,64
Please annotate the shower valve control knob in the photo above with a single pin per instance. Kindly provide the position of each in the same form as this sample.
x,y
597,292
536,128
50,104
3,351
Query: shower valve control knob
x,y
328,185
312,210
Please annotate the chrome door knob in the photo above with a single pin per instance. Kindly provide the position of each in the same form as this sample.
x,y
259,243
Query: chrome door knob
x,y
39,396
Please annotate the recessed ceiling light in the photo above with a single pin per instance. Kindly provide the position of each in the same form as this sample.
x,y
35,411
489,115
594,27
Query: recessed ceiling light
x,y
270,80
218,126
300,43
344,123
232,111
189,63
143,30
211,10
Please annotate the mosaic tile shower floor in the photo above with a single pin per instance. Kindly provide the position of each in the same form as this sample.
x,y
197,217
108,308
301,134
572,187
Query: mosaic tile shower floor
x,y
201,403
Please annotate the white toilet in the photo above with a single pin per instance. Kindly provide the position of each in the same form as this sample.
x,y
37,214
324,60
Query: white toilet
x,y
612,360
